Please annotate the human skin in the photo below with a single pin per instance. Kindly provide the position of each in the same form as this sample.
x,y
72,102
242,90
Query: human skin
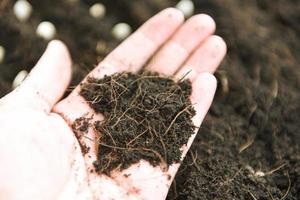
x,y
40,157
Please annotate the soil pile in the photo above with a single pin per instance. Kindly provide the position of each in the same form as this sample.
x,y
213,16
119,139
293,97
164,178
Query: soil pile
x,y
145,117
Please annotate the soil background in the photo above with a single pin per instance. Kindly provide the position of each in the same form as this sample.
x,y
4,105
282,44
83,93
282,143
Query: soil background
x,y
248,145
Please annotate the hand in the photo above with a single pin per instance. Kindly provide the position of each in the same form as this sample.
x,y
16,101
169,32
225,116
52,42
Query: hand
x,y
39,154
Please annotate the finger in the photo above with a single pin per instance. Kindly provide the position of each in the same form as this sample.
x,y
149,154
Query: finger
x,y
205,59
203,91
185,40
153,182
134,52
129,56
48,80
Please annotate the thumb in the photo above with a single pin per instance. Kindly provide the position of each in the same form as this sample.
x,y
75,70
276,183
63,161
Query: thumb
x,y
48,80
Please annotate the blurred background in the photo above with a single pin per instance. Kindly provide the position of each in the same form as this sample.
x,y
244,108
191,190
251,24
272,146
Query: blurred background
x,y
248,145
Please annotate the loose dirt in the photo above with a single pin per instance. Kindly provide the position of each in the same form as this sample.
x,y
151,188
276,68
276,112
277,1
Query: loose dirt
x,y
145,117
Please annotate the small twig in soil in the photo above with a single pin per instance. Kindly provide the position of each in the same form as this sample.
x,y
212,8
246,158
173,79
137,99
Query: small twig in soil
x,y
112,139
178,114
246,145
270,194
119,118
136,137
88,138
184,76
288,189
120,85
252,195
194,158
275,169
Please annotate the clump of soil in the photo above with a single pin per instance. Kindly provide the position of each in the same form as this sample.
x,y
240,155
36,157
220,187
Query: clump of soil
x,y
146,116
80,128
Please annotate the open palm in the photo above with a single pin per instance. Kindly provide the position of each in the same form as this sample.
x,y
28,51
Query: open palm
x,y
40,155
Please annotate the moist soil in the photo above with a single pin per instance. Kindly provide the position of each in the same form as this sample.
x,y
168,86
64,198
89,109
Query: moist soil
x,y
248,144
145,117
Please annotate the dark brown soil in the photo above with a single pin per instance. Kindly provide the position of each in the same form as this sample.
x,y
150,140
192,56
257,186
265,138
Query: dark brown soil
x,y
145,117
80,128
253,125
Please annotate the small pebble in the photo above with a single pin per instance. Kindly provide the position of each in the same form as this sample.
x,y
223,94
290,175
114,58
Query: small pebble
x,y
97,10
22,10
2,53
259,174
46,30
19,78
186,7
121,30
